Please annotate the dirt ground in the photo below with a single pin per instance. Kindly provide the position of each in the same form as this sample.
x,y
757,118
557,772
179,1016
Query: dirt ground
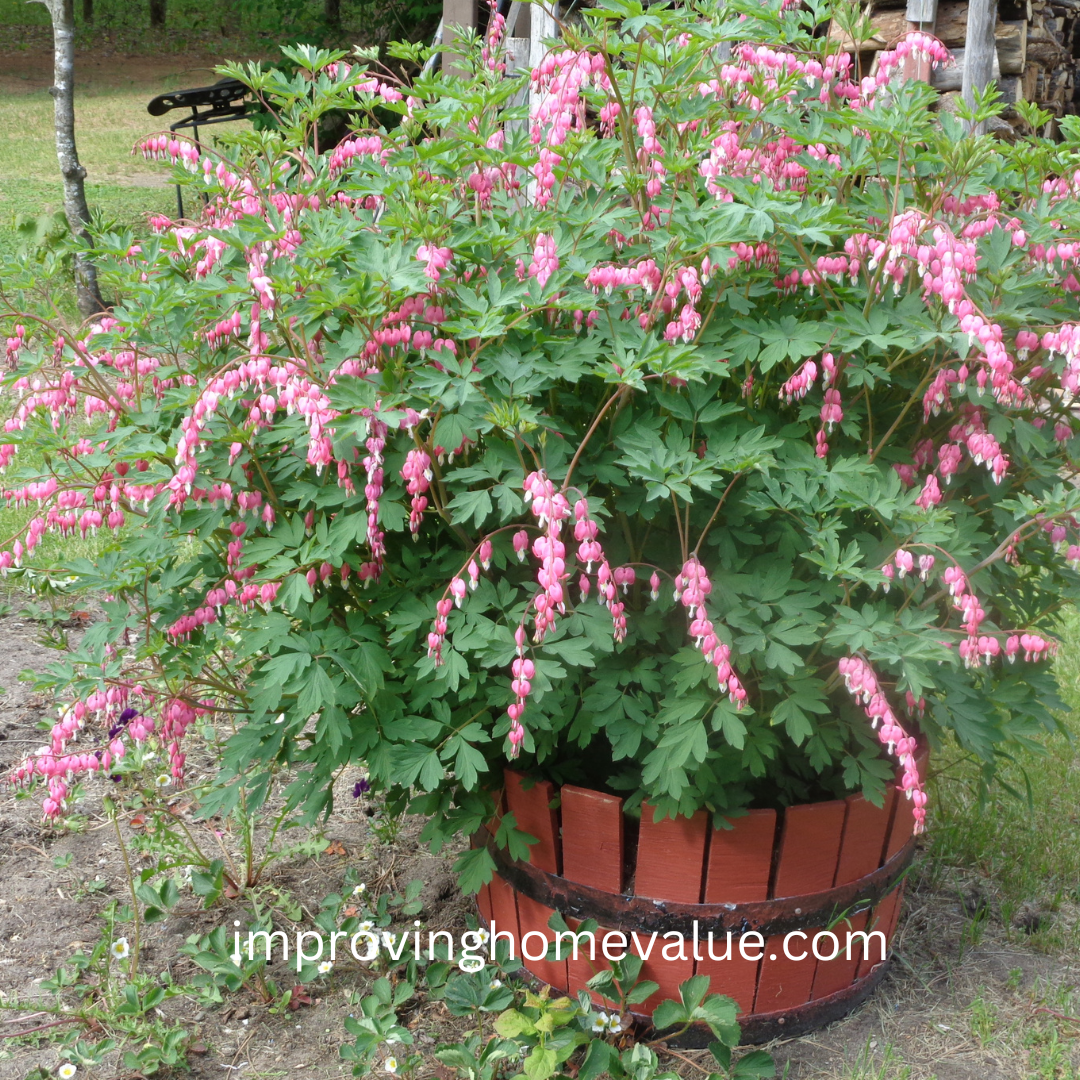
x,y
47,913
100,70
965,1000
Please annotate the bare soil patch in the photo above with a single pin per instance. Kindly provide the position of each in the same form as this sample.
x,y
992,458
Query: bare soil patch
x,y
103,70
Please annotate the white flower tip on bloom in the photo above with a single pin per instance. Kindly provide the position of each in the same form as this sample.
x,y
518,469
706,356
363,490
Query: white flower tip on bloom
x,y
360,889
66,1071
496,984
390,1065
164,780
119,949
325,967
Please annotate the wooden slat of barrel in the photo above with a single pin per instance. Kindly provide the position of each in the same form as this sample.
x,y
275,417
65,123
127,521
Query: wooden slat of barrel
x,y
903,825
581,970
740,859
836,974
894,918
504,907
592,838
531,807
809,848
735,977
809,854
483,902
670,974
533,918
783,982
883,919
671,857
865,829
492,824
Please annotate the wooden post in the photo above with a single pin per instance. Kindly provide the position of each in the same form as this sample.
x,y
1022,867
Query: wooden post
x,y
456,13
979,51
542,16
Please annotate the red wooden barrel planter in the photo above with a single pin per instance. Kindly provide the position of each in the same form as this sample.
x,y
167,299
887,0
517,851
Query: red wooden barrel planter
x,y
837,864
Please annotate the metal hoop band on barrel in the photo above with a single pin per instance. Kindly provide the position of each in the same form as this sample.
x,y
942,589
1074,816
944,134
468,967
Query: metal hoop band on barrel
x,y
618,911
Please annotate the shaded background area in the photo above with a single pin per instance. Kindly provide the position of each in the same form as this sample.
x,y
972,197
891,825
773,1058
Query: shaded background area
x,y
233,26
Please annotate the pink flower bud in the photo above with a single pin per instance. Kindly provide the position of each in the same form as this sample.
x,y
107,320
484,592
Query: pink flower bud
x,y
458,590
521,544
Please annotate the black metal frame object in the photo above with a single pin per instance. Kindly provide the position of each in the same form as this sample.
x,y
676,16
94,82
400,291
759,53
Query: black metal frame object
x,y
225,101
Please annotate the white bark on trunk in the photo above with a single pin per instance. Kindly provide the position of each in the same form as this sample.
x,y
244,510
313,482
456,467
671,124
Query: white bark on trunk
x,y
62,13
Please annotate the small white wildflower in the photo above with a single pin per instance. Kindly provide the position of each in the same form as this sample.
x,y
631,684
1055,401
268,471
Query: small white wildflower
x,y
367,926
66,1071
325,967
390,1064
164,780
119,949
483,936
388,938
359,890
496,984
599,1024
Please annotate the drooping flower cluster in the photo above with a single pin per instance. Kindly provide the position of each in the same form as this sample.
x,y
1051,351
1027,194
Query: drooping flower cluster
x,y
608,581
976,649
559,82
523,671
863,686
373,488
545,259
493,39
417,474
123,710
692,586
550,508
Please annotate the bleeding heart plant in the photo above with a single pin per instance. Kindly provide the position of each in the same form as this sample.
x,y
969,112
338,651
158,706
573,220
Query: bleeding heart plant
x,y
407,424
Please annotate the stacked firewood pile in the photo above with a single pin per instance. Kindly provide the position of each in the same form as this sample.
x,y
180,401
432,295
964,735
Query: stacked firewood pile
x,y
1037,47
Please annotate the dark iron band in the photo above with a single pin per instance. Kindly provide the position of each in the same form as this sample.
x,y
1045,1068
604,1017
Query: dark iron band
x,y
757,1028
617,911
789,1023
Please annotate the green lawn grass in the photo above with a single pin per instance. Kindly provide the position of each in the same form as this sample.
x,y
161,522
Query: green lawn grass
x,y
107,125
118,185
1029,854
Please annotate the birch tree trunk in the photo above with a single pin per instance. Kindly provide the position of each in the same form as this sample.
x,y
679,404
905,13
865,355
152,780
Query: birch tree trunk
x,y
62,13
